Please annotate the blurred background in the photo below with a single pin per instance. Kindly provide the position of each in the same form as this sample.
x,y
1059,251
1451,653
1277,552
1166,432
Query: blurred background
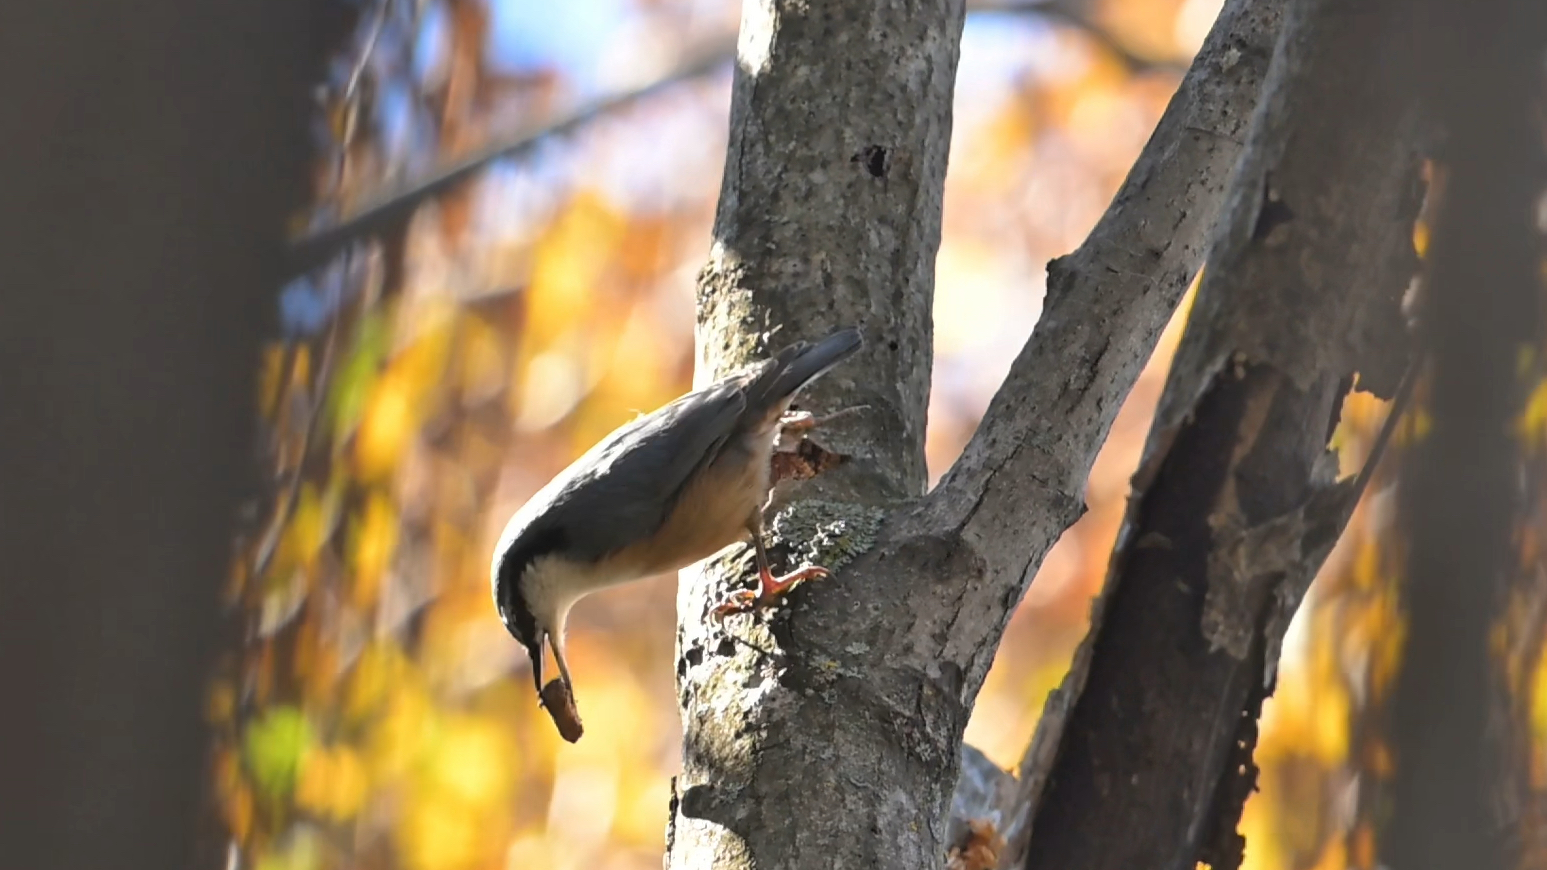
x,y
374,713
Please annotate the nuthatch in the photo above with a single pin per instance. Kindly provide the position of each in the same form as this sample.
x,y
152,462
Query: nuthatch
x,y
658,494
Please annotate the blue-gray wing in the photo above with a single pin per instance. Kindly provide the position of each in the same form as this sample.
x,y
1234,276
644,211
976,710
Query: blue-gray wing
x,y
623,489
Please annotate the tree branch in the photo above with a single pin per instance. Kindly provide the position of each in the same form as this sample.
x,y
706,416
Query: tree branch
x,y
1020,481
394,204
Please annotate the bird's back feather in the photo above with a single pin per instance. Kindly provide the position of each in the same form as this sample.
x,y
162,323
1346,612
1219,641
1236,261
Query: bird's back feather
x,y
622,488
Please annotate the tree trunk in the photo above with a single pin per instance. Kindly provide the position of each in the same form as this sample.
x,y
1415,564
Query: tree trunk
x,y
828,734
153,150
829,216
1460,487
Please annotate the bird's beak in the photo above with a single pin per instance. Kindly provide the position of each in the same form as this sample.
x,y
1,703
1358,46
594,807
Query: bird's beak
x,y
535,652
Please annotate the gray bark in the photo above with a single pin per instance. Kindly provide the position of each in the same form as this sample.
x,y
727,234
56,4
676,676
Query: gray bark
x,y
1235,504
829,216
827,735
153,151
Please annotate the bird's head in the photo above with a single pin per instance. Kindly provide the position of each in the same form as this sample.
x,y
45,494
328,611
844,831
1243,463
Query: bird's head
x,y
513,574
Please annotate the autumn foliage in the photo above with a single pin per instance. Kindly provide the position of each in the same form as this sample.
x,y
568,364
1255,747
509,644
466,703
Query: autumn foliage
x,y
374,713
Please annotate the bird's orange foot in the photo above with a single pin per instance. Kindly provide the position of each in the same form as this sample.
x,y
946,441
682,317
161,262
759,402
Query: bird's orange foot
x,y
771,590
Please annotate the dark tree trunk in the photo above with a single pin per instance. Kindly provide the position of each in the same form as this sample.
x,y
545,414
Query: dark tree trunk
x,y
152,151
1478,307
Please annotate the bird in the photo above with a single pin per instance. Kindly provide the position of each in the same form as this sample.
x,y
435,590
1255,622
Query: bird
x,y
661,492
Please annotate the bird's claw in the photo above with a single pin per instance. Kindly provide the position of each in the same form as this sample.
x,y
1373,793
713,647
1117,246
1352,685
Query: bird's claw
x,y
797,420
773,589
794,426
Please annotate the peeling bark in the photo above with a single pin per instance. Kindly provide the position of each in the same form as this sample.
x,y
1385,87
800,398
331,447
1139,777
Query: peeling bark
x,y
1235,502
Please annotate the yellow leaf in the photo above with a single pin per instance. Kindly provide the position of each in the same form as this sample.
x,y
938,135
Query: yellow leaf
x,y
567,264
380,669
361,364
372,543
333,783
1539,702
636,374
439,835
1532,425
1331,717
400,737
273,747
386,427
472,762
271,373
302,538
457,815
483,367
398,401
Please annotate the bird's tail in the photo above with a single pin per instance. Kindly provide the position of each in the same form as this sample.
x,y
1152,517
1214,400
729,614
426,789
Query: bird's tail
x,y
799,364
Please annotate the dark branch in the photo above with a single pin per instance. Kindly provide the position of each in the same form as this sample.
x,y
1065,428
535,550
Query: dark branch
x,y
395,204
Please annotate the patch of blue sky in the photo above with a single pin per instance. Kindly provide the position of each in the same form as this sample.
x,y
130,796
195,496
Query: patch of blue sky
x,y
571,38
430,42
998,49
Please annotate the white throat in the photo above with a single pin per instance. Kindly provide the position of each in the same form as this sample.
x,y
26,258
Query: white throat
x,y
552,585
